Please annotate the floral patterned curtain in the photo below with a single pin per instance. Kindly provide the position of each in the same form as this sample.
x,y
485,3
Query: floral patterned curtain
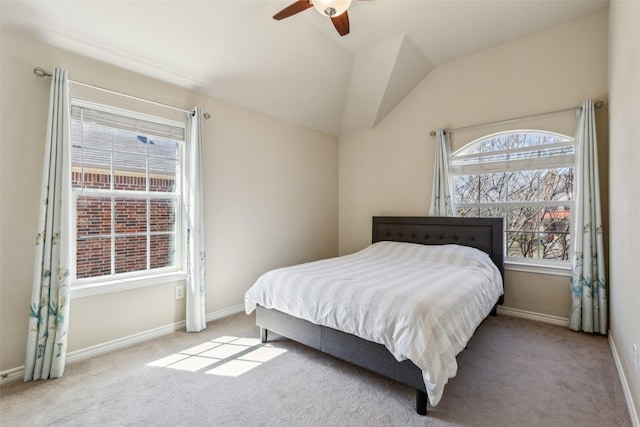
x,y
49,312
588,285
442,203
196,255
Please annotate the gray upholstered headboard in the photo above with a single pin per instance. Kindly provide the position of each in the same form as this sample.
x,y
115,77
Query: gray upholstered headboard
x,y
485,234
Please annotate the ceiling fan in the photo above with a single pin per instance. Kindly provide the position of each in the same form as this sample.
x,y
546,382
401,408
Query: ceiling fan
x,y
334,9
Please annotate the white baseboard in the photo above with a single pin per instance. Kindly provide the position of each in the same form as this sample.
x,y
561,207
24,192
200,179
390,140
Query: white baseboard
x,y
11,375
633,411
106,347
117,344
523,314
219,314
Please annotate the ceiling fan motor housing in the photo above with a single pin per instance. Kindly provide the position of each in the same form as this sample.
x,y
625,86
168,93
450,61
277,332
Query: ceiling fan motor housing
x,y
331,8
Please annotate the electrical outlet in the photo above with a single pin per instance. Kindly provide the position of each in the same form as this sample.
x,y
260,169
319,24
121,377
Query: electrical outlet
x,y
179,291
634,358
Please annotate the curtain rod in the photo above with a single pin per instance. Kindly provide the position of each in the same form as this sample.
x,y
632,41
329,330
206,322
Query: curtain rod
x,y
597,104
40,72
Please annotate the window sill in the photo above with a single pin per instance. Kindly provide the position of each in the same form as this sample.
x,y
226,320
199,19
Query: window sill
x,y
98,288
556,269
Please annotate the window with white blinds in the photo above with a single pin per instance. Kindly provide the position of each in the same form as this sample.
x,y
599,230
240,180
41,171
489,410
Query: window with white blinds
x,y
127,193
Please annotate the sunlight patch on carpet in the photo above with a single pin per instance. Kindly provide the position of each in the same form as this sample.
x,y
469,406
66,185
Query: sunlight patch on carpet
x,y
193,363
233,368
225,356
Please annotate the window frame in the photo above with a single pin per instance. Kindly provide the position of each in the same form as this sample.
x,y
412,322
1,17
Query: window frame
x,y
114,281
534,265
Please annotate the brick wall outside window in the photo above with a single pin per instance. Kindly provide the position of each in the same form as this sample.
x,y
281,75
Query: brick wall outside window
x,y
132,234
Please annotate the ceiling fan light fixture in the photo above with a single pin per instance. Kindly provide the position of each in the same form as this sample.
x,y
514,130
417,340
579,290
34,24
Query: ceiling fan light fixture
x,y
331,8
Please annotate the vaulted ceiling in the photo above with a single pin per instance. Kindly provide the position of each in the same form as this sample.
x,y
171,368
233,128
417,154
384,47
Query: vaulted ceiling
x,y
298,69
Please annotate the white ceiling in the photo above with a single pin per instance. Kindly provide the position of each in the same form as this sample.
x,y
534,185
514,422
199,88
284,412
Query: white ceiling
x,y
298,69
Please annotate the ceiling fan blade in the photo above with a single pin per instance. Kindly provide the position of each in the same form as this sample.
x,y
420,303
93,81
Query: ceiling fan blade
x,y
341,22
292,9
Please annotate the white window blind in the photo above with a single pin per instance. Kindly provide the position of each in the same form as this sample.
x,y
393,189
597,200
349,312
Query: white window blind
x,y
126,120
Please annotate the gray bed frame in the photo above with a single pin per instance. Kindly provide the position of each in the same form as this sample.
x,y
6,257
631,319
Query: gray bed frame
x,y
485,234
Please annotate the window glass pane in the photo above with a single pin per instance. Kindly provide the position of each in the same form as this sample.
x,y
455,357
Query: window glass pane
x,y
523,186
130,216
89,135
130,172
91,155
491,212
165,148
523,218
522,232
555,225
468,212
162,174
130,254
500,142
93,216
162,250
556,184
555,246
94,159
522,244
467,188
555,218
91,168
76,179
493,187
162,215
97,180
130,142
93,257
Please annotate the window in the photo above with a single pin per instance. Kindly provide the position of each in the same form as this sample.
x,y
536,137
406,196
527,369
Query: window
x,y
126,187
525,177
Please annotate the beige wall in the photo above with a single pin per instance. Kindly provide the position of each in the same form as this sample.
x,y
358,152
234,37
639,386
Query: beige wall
x,y
388,170
271,199
624,89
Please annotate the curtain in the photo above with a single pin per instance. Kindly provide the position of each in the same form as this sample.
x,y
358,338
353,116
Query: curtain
x,y
588,285
442,204
196,256
49,311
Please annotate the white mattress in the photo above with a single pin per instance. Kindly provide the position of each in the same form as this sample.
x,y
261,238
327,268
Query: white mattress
x,y
421,302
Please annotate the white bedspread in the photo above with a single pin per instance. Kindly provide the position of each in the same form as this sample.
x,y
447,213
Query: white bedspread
x,y
421,302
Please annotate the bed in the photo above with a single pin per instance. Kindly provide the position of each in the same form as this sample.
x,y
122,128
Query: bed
x,y
418,352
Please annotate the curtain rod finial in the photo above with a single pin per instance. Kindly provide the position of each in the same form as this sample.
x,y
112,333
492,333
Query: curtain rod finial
x,y
433,133
40,72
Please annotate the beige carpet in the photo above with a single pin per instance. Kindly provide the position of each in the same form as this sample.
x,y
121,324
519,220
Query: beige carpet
x,y
514,373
